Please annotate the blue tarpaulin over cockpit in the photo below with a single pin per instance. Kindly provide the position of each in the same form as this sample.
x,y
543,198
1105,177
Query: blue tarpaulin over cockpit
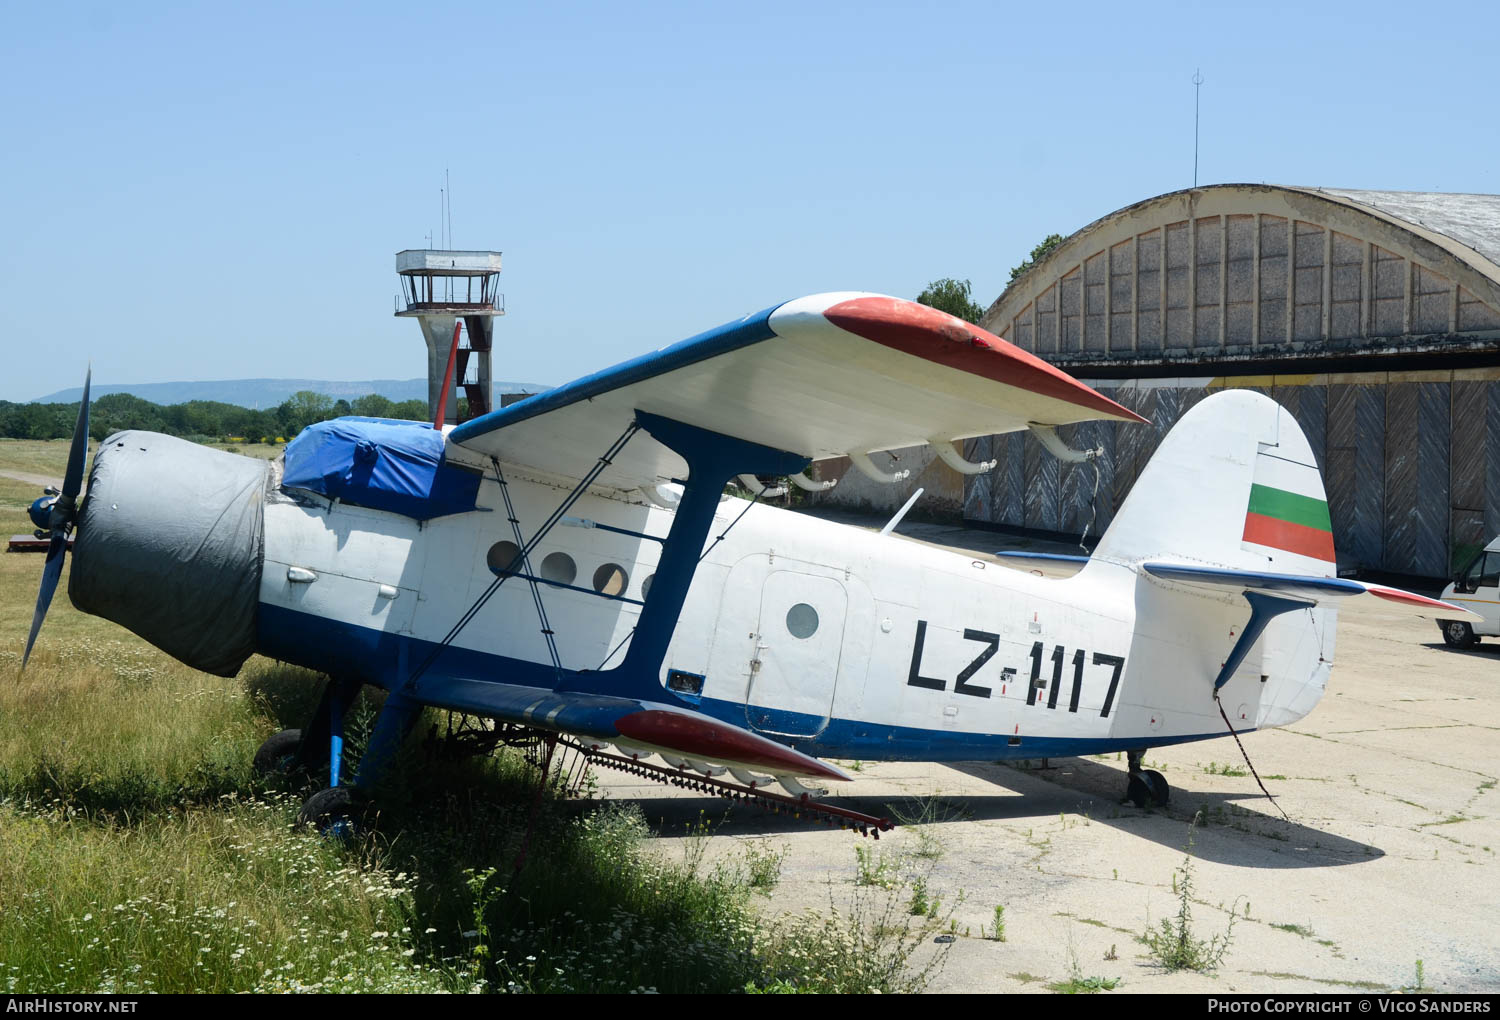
x,y
381,464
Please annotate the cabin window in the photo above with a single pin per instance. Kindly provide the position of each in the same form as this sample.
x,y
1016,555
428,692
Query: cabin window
x,y
503,557
646,585
559,568
611,579
802,620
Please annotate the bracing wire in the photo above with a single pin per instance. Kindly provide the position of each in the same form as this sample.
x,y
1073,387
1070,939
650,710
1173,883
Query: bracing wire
x,y
536,590
753,500
526,550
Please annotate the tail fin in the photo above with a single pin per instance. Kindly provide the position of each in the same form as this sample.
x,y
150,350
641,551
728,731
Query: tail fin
x,y
1233,502
1233,485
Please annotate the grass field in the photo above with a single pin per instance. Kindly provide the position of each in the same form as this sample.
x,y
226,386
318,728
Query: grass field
x,y
138,852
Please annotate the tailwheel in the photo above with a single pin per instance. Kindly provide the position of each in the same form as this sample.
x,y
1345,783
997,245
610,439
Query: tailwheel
x,y
280,754
338,812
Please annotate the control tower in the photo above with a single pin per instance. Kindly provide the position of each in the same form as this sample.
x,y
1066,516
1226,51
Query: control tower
x,y
440,288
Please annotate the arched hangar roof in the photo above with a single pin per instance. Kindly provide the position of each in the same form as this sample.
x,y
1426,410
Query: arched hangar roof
x,y
1249,272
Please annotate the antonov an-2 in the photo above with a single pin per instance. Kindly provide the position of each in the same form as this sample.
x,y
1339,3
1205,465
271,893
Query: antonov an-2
x,y
570,565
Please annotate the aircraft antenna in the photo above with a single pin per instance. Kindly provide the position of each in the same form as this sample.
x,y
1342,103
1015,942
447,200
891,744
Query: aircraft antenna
x,y
1197,86
891,525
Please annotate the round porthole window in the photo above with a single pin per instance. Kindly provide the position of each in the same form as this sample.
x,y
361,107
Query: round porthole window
x,y
646,585
802,620
611,579
503,557
559,567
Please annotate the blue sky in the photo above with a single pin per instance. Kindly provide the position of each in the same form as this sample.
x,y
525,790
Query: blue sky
x,y
210,191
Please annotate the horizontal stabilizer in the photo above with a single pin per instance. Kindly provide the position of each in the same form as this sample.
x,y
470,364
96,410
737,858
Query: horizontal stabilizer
x,y
1315,589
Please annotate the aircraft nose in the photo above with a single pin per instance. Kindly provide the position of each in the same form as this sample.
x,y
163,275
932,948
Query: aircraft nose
x,y
170,545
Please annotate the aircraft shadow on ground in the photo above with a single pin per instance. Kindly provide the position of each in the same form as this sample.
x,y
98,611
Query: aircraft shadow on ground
x,y
1247,831
1257,836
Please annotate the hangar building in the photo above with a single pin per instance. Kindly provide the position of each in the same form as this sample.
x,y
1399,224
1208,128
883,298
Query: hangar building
x,y
1372,316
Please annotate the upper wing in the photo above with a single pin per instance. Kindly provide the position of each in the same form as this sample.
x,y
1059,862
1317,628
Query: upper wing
x,y
823,376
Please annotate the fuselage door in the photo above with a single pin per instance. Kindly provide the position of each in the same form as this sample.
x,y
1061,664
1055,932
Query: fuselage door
x,y
797,650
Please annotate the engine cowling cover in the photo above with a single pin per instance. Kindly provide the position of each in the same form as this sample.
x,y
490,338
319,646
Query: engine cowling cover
x,y
170,544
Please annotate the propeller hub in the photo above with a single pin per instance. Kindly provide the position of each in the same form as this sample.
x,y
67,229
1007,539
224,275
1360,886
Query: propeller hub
x,y
40,512
64,513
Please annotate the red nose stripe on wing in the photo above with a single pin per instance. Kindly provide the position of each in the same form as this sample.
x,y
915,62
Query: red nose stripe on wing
x,y
699,736
1397,595
939,337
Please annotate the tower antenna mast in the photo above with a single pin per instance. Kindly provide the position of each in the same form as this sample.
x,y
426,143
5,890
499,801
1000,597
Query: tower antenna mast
x,y
1197,85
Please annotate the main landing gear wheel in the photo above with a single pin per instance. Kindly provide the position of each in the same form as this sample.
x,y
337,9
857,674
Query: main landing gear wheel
x,y
338,812
279,755
1161,793
1145,786
1457,634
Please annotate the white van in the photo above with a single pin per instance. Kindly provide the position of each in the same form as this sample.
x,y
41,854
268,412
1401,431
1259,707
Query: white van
x,y
1477,587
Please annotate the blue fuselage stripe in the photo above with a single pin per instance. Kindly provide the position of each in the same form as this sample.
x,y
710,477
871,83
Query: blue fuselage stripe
x,y
487,684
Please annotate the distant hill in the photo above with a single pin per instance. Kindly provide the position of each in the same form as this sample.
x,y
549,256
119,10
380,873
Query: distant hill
x,y
265,393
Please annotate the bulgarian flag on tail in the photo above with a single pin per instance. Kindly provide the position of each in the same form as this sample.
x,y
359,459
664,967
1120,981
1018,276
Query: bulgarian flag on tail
x,y
1288,512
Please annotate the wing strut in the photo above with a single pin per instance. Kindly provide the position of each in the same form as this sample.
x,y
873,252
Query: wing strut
x,y
713,459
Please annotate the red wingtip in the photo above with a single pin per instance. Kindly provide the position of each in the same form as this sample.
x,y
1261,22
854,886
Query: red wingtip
x,y
937,336
700,736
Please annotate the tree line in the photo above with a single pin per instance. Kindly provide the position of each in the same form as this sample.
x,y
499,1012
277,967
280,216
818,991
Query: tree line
x,y
198,419
956,297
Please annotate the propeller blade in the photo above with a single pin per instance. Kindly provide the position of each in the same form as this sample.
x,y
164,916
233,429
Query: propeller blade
x,y
64,511
51,571
73,480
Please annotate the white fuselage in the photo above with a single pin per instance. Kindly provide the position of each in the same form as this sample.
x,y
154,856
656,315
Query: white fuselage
x,y
802,629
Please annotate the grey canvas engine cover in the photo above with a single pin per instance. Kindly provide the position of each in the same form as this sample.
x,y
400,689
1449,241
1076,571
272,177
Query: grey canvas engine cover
x,y
170,544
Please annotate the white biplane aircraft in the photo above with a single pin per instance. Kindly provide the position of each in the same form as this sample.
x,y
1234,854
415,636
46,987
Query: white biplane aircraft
x,y
570,566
